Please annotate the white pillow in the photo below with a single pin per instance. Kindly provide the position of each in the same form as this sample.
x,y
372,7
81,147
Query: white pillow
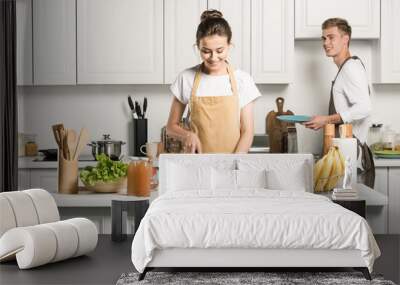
x,y
251,178
183,177
223,179
292,179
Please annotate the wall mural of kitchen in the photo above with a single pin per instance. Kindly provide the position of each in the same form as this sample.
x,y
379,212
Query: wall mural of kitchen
x,y
238,95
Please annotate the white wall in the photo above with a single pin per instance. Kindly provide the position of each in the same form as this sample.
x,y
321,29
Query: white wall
x,y
104,108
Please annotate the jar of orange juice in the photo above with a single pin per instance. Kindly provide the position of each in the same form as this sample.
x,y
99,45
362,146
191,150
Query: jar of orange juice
x,y
139,178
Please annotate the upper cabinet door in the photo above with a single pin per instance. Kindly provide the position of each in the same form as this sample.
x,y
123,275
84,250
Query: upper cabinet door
x,y
387,49
120,41
181,20
362,15
24,42
54,42
237,13
272,41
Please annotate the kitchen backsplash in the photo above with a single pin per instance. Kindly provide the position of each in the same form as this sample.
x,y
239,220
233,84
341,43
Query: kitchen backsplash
x,y
104,109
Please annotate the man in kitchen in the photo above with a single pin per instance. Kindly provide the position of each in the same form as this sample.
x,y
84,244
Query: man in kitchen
x,y
349,101
220,98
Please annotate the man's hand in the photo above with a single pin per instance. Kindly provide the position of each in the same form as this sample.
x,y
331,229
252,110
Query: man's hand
x,y
317,122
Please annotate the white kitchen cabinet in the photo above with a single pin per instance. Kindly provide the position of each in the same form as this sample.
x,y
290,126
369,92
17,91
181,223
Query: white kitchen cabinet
x,y
95,214
387,181
381,180
387,56
100,216
120,42
272,41
378,216
54,42
44,178
24,179
181,20
394,200
362,15
24,42
237,13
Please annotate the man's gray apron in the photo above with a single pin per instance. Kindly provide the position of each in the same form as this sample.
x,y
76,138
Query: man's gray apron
x,y
367,174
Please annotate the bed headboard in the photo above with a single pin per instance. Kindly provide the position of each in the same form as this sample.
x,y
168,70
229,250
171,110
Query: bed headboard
x,y
279,161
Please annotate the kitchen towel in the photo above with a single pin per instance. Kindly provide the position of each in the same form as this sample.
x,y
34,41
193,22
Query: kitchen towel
x,y
348,148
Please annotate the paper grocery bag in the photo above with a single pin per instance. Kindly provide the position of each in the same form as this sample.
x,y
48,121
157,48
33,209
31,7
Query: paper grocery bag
x,y
67,175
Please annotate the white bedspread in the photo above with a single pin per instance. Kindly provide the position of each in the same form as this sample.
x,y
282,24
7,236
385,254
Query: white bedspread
x,y
250,218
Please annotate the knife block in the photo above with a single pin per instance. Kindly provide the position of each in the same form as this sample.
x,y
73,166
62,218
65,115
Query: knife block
x,y
139,135
67,175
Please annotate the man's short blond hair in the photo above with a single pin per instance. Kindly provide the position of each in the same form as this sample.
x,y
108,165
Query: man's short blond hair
x,y
340,23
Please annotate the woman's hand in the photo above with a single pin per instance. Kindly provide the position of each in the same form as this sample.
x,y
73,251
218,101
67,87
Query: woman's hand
x,y
191,143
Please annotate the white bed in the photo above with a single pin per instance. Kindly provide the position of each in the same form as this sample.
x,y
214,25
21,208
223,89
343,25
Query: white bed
x,y
226,211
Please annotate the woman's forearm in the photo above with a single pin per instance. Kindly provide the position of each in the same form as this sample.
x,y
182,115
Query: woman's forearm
x,y
246,129
245,141
174,128
176,131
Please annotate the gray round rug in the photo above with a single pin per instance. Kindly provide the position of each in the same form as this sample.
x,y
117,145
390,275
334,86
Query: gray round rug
x,y
242,278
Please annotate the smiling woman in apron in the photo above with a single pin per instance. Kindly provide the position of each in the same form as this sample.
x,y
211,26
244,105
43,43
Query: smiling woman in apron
x,y
220,99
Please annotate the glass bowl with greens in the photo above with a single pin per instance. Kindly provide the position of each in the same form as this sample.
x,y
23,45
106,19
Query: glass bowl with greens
x,y
107,176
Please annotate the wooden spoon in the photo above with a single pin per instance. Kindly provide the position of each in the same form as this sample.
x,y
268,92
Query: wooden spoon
x,y
71,142
56,133
64,146
83,139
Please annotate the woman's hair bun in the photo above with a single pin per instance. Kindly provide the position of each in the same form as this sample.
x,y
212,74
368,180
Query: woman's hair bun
x,y
209,14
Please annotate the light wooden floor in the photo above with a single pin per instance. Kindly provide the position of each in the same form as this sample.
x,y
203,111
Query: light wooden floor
x,y
111,259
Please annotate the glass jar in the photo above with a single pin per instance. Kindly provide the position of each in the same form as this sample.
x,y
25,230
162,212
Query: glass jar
x,y
139,178
388,138
28,143
374,134
31,149
397,142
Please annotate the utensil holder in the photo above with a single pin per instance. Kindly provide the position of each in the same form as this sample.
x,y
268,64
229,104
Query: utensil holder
x,y
67,175
139,135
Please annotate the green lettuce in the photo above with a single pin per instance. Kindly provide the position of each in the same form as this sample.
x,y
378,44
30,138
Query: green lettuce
x,y
106,170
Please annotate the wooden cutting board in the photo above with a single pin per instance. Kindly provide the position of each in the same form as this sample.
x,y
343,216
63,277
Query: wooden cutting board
x,y
275,128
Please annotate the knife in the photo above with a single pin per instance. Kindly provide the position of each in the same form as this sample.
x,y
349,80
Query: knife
x,y
132,107
138,110
144,107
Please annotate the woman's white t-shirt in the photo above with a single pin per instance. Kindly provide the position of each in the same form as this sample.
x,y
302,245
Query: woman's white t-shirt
x,y
214,85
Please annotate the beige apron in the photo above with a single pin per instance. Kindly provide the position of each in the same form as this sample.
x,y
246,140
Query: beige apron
x,y
215,119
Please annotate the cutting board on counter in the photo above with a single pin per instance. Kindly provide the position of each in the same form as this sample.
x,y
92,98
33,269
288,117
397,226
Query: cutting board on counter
x,y
276,128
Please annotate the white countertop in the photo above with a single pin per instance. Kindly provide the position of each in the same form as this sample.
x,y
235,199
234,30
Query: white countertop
x,y
384,162
92,199
371,196
28,162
